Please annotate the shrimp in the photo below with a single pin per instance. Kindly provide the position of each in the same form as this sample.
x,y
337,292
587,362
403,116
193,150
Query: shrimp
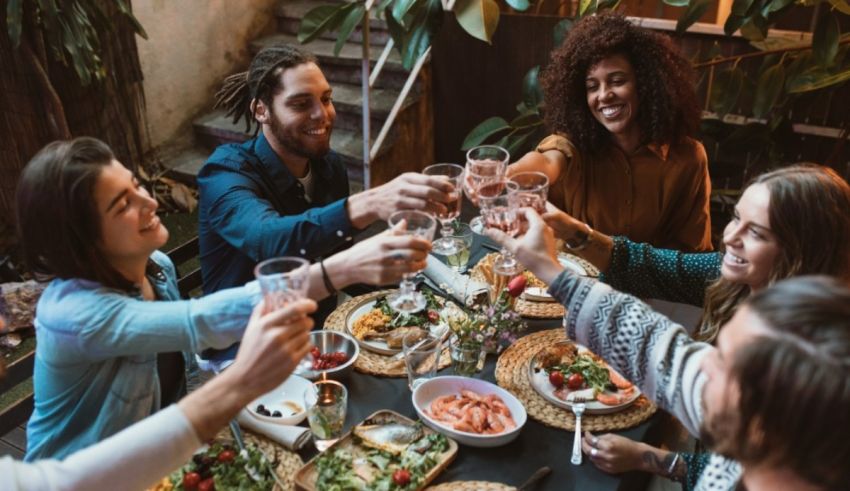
x,y
618,380
616,398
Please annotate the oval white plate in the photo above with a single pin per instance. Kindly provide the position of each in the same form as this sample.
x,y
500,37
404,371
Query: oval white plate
x,y
291,390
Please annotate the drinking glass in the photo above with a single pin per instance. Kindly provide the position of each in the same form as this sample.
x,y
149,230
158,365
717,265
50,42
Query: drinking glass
x,y
419,224
283,280
531,190
326,402
462,238
454,173
485,169
421,357
500,212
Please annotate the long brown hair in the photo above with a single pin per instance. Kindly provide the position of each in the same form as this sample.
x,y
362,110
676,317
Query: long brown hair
x,y
794,410
58,222
809,215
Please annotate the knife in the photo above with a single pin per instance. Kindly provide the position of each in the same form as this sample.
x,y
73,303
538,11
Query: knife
x,y
534,479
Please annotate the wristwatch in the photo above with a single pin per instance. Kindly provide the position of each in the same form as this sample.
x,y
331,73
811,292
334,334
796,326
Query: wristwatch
x,y
580,239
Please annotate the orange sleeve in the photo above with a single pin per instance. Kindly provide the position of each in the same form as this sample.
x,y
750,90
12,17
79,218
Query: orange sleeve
x,y
691,226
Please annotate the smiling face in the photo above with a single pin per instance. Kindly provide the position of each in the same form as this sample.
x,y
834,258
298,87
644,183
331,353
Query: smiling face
x,y
612,97
130,228
752,248
301,117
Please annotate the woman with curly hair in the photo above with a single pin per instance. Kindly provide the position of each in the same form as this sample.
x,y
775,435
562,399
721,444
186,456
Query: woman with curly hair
x,y
620,101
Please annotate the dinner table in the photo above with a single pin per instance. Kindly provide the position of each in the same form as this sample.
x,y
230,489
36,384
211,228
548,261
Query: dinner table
x,y
536,446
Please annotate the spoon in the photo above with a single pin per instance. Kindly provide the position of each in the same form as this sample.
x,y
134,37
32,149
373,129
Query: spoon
x,y
578,410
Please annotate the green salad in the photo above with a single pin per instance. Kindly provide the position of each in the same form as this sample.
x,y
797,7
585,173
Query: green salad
x,y
222,467
423,318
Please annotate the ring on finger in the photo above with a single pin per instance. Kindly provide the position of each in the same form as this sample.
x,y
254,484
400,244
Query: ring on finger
x,y
594,441
397,256
594,452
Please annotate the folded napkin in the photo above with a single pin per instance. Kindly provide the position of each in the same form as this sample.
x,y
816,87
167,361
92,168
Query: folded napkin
x,y
461,287
291,437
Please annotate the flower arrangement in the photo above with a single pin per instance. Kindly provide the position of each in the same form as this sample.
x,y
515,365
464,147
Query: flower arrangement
x,y
492,326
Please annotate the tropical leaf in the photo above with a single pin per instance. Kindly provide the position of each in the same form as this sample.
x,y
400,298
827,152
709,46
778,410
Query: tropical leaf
x,y
677,3
520,5
321,19
725,90
517,141
742,7
526,120
695,10
586,7
427,18
817,80
769,89
607,5
401,9
825,40
532,94
352,20
483,131
756,29
479,18
733,23
776,6
841,6
559,32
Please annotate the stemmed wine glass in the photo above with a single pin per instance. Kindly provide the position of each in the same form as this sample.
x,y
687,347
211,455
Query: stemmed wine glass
x,y
500,212
531,190
418,224
445,245
485,170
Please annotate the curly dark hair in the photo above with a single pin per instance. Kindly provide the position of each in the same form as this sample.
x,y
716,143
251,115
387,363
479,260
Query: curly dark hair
x,y
668,109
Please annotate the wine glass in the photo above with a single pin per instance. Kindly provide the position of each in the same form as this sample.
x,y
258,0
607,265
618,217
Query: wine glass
x,y
485,169
500,212
419,224
283,280
446,245
531,190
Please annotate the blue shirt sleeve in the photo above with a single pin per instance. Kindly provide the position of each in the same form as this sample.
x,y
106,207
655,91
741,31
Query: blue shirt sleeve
x,y
665,274
252,225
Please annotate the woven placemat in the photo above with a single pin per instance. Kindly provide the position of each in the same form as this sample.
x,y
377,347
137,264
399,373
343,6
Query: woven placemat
x,y
288,462
525,308
370,362
591,270
471,486
512,374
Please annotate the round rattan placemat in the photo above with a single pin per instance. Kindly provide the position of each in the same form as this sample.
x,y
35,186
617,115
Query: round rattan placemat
x,y
539,310
512,374
471,486
288,462
370,362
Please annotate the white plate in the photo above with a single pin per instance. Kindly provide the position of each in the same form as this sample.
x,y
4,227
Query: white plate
x,y
290,391
571,264
540,382
537,294
436,387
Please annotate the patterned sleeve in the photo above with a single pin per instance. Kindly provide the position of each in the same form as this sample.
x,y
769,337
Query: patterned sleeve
x,y
649,272
646,347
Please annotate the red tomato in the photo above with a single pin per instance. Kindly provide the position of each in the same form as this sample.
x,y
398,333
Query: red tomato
x,y
433,316
401,477
517,285
226,456
556,378
191,480
207,485
575,381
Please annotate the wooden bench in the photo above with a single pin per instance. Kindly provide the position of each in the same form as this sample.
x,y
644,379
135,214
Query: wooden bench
x,y
20,371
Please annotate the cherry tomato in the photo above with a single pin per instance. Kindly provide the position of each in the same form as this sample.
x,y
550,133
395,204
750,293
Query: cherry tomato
x,y
226,456
575,381
517,285
401,477
191,480
207,485
433,316
556,378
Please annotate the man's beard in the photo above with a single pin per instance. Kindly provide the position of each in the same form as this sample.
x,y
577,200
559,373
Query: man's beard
x,y
293,146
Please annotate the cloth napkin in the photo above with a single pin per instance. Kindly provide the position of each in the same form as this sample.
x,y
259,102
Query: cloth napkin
x,y
461,287
291,437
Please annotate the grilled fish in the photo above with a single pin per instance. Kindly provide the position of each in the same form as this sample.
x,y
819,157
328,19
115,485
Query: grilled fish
x,y
387,434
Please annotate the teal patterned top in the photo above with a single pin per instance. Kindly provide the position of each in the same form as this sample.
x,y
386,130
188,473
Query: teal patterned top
x,y
649,272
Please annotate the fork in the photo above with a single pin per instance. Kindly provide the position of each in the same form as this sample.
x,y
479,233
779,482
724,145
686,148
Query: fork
x,y
578,410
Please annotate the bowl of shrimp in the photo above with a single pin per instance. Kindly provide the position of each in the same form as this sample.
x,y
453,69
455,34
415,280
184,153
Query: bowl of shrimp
x,y
472,412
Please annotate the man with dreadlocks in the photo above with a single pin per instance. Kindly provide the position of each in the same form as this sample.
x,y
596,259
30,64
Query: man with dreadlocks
x,y
285,192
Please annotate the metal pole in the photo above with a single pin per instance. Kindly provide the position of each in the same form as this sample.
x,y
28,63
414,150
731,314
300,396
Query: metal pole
x,y
364,81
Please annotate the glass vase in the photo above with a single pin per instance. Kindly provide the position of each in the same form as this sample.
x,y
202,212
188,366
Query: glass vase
x,y
467,358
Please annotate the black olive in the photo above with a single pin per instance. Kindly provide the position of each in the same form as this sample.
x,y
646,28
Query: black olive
x,y
261,408
276,414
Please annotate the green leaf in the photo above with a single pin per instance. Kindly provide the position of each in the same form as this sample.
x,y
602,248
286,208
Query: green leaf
x,y
559,32
742,7
396,30
479,18
483,131
426,20
776,6
772,43
520,5
14,21
725,89
515,141
321,19
352,20
817,80
755,29
825,40
607,5
677,3
769,89
528,119
695,10
733,23
841,6
584,8
400,10
532,95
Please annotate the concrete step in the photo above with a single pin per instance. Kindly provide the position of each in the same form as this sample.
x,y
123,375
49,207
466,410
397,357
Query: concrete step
x,y
344,68
290,12
348,102
184,162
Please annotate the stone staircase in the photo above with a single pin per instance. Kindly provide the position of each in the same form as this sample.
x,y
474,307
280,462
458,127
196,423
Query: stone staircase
x,y
409,145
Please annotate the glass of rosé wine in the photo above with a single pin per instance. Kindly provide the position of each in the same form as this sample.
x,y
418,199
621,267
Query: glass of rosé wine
x,y
454,173
485,172
531,190
500,212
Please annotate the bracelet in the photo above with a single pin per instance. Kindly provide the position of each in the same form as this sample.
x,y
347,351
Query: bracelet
x,y
582,242
673,465
327,279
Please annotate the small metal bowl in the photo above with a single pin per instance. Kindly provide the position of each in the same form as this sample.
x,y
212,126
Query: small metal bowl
x,y
329,342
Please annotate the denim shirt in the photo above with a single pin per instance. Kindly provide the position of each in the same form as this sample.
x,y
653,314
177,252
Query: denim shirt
x,y
95,361
252,208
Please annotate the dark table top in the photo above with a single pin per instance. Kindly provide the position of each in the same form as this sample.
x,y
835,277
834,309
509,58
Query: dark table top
x,y
536,446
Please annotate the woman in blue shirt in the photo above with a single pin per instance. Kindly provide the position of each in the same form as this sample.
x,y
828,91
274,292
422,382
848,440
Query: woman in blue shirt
x,y
789,222
112,305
